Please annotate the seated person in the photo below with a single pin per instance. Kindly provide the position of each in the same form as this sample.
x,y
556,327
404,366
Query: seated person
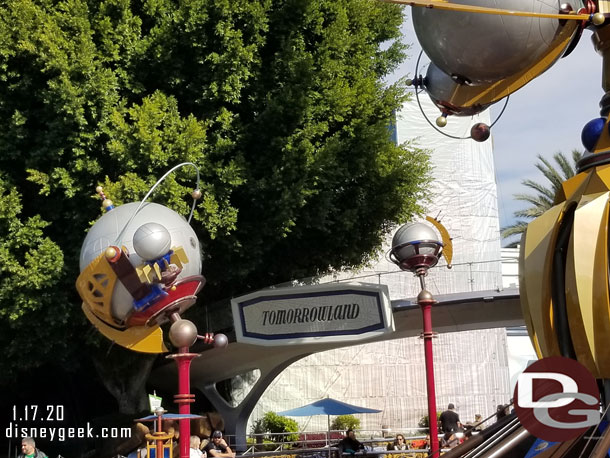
x,y
218,447
349,444
399,443
195,450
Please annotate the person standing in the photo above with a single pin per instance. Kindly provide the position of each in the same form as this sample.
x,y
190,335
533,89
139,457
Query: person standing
x,y
29,450
502,411
450,420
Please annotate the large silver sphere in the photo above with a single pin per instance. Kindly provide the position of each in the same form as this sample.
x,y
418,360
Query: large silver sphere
x,y
183,333
485,48
151,241
105,231
441,88
415,246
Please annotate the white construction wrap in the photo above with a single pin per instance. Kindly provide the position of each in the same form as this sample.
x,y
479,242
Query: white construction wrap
x,y
471,367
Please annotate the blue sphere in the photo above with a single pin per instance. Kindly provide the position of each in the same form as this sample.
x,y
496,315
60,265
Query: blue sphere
x,y
591,133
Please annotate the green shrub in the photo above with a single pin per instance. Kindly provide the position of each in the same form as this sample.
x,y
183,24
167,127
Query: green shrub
x,y
345,422
423,421
275,424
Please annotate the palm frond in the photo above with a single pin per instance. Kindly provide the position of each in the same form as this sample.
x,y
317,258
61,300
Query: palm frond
x,y
530,213
537,201
577,155
549,172
566,167
543,194
514,229
549,193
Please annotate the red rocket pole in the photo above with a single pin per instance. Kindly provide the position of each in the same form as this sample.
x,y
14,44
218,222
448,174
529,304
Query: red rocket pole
x,y
184,398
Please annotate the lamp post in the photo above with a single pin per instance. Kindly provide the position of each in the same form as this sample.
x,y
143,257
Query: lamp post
x,y
416,248
183,334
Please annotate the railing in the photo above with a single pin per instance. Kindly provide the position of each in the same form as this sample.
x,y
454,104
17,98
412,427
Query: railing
x,y
314,442
322,444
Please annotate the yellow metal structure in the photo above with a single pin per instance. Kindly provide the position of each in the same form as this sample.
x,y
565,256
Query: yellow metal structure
x,y
448,6
145,271
467,96
535,280
151,444
447,243
583,284
143,339
95,285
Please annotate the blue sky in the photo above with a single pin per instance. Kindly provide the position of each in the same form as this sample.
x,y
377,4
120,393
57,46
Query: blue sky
x,y
544,117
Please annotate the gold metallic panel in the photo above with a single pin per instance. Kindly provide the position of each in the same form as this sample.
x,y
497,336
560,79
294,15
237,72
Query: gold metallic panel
x,y
137,338
569,188
537,255
447,243
524,302
603,173
601,297
95,285
580,272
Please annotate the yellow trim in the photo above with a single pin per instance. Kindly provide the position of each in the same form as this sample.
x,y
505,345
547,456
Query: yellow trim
x,y
580,272
444,5
601,298
448,244
570,187
539,243
95,285
151,443
137,338
144,271
179,256
525,303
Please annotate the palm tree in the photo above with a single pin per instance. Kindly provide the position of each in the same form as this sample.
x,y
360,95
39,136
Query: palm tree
x,y
542,198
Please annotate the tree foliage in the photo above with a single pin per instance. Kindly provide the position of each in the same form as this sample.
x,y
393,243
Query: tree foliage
x,y
345,422
425,423
279,102
543,195
278,426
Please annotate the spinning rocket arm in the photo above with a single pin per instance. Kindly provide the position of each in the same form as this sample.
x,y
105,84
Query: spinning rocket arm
x,y
454,94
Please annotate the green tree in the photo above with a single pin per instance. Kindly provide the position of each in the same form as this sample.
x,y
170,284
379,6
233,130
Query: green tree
x,y
281,104
423,421
543,195
278,426
345,422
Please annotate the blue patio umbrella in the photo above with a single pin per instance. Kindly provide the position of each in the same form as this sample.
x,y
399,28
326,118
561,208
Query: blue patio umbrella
x,y
327,406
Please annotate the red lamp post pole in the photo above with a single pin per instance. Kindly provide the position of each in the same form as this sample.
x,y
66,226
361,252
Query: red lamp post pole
x,y
425,301
184,398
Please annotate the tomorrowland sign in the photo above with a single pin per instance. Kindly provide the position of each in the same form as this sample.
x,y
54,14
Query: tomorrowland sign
x,y
308,314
